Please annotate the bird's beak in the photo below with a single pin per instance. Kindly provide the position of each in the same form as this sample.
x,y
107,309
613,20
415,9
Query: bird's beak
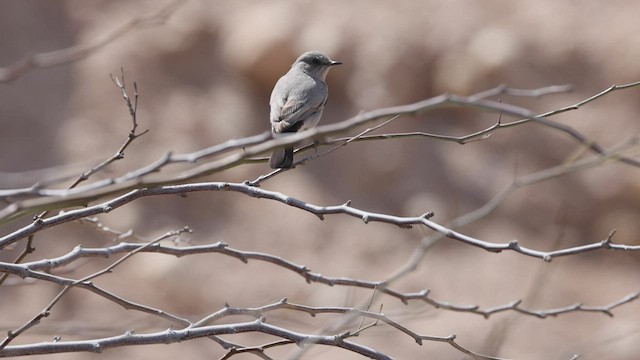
x,y
335,63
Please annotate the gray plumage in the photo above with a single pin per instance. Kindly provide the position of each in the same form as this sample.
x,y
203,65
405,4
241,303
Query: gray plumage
x,y
297,101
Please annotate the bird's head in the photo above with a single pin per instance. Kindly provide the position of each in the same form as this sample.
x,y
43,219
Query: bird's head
x,y
315,64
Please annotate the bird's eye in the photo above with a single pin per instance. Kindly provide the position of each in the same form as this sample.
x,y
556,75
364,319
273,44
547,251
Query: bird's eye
x,y
315,61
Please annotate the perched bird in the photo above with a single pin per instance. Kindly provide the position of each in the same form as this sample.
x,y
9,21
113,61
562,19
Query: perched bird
x,y
297,101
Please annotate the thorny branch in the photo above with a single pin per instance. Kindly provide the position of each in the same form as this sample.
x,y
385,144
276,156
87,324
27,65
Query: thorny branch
x,y
313,311
346,209
85,281
149,176
142,182
201,329
494,202
29,269
235,144
311,277
172,335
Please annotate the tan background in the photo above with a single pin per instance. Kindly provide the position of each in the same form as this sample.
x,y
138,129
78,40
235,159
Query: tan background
x,y
205,77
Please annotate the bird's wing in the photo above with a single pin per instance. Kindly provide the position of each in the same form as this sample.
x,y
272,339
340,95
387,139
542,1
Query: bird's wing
x,y
294,113
289,117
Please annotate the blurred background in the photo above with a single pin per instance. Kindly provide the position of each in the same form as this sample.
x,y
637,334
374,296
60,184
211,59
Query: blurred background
x,y
205,76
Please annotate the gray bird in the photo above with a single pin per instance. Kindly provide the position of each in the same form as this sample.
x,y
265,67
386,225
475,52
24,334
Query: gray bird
x,y
297,101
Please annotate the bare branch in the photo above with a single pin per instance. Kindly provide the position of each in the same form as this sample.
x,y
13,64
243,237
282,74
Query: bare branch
x,y
149,178
346,209
148,181
171,336
313,311
200,330
234,144
309,276
85,175
268,176
85,283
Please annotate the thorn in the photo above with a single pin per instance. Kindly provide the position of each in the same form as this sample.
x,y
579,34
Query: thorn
x,y
428,215
607,242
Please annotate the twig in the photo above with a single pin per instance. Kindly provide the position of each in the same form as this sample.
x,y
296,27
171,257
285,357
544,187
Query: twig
x,y
133,112
256,350
504,89
346,141
119,235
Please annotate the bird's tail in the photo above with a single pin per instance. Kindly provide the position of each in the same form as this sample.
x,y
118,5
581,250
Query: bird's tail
x,y
281,158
